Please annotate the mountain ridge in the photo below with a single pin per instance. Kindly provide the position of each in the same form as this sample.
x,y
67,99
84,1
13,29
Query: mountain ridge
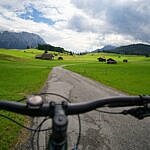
x,y
132,49
19,40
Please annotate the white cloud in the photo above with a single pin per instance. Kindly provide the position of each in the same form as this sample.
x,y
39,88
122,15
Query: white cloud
x,y
126,17
81,25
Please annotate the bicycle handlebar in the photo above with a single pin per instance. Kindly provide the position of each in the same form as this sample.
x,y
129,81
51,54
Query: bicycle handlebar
x,y
108,102
76,108
36,107
23,109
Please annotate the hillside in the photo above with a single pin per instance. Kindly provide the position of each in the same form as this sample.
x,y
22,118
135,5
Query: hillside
x,y
134,49
49,47
21,40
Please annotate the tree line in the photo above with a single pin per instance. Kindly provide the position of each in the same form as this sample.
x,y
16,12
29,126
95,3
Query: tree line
x,y
48,47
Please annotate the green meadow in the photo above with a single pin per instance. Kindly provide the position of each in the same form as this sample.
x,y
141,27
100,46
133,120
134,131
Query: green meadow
x,y
132,77
21,74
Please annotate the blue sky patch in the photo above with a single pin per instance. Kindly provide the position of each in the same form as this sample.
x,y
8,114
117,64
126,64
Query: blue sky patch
x,y
35,15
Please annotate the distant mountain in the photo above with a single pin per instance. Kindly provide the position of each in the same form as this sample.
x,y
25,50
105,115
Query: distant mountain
x,y
21,40
134,49
105,48
108,47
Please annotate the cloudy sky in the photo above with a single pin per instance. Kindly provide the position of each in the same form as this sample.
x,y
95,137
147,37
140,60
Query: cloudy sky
x,y
79,25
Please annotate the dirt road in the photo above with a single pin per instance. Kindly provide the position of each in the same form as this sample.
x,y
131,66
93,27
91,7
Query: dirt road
x,y
99,131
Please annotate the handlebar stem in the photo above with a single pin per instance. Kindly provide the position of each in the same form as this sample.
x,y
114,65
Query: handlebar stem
x,y
59,128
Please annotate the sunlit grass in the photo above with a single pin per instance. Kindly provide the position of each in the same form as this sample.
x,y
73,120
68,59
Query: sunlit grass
x,y
20,75
132,77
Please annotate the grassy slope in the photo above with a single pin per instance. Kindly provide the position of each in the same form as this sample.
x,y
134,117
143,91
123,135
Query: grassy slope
x,y
131,77
20,74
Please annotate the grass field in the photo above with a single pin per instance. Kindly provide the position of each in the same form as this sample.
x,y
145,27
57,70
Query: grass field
x,y
21,74
132,77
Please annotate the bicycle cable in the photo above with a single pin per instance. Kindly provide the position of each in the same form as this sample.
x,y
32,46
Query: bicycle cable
x,y
37,131
30,129
22,99
43,93
79,136
79,119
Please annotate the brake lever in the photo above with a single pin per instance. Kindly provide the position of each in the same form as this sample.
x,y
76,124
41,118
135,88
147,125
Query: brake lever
x,y
139,113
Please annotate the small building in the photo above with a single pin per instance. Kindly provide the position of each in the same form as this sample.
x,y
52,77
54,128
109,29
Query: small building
x,y
111,61
45,56
100,59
